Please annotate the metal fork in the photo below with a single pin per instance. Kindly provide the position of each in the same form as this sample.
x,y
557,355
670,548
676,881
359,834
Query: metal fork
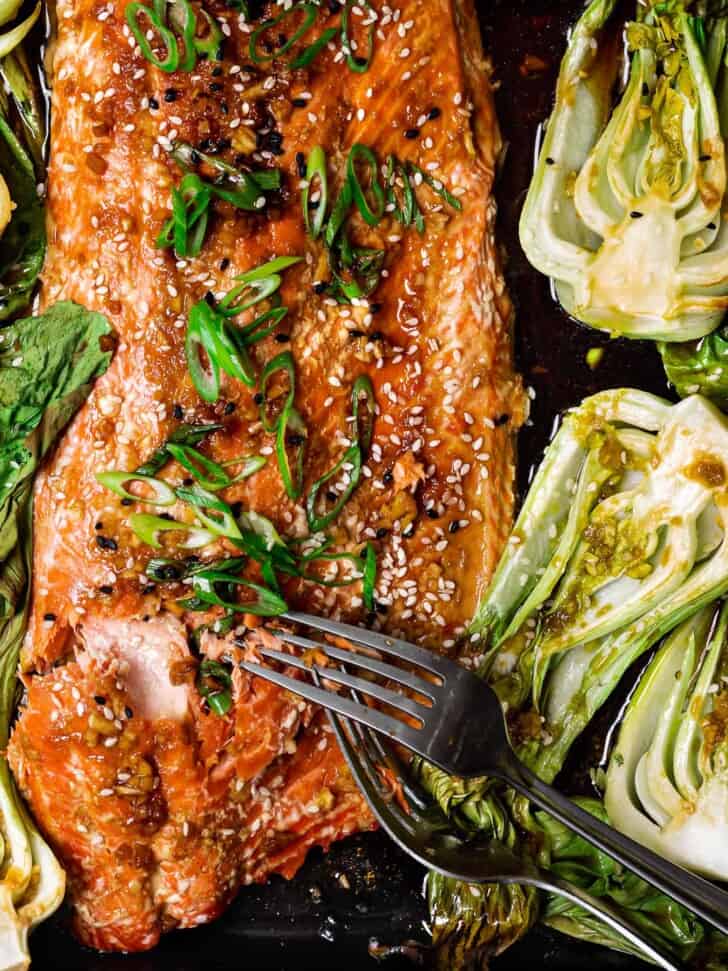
x,y
463,731
425,833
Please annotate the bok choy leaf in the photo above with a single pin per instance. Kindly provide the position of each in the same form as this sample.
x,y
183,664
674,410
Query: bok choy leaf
x,y
626,209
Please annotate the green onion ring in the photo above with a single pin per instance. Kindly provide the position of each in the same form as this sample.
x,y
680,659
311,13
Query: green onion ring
x,y
315,171
310,11
351,456
371,215
116,481
281,362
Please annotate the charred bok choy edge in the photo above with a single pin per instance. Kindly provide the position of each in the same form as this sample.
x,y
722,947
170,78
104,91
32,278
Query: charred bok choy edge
x,y
621,539
626,210
47,365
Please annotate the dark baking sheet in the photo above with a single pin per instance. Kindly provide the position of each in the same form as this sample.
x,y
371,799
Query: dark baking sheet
x,y
316,921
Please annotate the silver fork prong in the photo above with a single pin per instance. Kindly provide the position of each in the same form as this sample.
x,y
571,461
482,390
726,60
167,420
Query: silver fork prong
x,y
378,642
344,706
370,688
373,690
364,661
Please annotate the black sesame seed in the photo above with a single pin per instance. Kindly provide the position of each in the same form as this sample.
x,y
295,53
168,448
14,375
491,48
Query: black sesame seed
x,y
216,86
382,532
295,440
299,102
645,88
148,588
331,495
195,157
375,307
550,161
170,94
412,133
259,398
357,333
704,158
127,502
99,525
153,104
105,588
319,286
178,412
433,113
99,699
128,712
187,481
283,338
501,419
49,617
711,225
107,543
454,526
229,408
636,215
166,515
380,607
433,513
301,164
376,335
224,263
216,72
388,477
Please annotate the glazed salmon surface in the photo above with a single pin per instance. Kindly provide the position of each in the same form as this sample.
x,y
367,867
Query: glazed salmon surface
x,y
159,807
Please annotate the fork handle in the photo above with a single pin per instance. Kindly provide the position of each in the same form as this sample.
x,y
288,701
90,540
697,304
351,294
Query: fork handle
x,y
699,895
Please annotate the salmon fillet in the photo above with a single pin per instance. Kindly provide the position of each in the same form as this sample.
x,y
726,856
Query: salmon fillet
x,y
158,807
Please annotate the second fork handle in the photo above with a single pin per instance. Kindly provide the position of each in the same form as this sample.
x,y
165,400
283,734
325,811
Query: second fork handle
x,y
699,895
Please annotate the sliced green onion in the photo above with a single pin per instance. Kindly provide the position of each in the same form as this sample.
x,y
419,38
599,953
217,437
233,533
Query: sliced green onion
x,y
438,187
241,189
187,227
210,45
276,265
352,558
182,18
200,347
214,684
310,53
315,173
184,434
148,527
256,285
408,212
363,391
117,481
261,526
254,332
169,61
209,474
309,10
208,332
251,464
339,213
291,434
356,62
281,362
372,214
352,456
215,514
267,604
370,576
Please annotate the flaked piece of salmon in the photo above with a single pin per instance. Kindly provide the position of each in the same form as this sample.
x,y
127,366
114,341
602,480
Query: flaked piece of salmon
x,y
159,807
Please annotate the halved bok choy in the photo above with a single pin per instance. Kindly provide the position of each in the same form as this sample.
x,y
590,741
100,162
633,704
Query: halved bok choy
x,y
626,211
667,783
622,536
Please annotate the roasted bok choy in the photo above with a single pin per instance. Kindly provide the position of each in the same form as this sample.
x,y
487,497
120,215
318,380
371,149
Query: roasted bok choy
x,y
47,364
621,539
627,208
667,784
